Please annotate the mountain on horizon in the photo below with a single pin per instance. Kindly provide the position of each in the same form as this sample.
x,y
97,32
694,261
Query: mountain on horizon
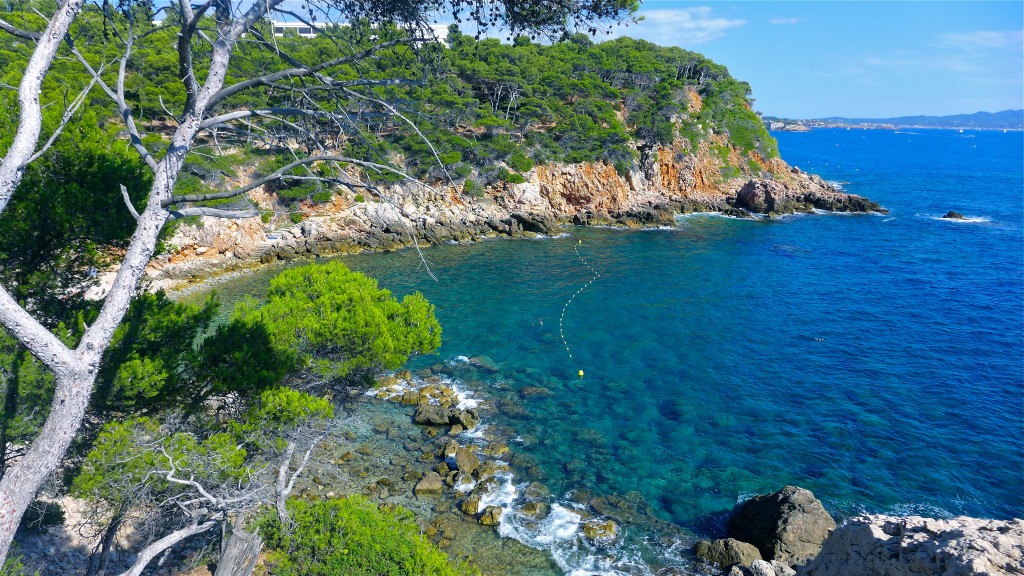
x,y
1006,119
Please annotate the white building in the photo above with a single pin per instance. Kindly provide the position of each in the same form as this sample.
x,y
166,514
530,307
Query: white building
x,y
300,28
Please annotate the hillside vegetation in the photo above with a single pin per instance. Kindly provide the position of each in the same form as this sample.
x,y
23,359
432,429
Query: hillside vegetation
x,y
473,112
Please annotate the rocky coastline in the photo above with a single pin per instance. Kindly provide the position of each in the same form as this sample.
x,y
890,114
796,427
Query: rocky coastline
x,y
789,533
666,182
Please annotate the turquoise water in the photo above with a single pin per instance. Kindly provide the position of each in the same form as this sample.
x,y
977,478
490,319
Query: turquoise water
x,y
875,360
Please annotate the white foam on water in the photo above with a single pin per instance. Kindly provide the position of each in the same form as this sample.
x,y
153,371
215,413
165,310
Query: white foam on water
x,y
464,484
964,220
504,495
476,433
462,359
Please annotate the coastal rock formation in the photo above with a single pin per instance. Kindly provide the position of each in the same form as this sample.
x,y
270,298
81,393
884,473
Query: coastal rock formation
x,y
788,526
727,552
915,546
667,180
769,197
951,215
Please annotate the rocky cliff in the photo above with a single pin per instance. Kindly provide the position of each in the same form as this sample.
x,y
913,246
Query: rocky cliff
x,y
665,182
905,546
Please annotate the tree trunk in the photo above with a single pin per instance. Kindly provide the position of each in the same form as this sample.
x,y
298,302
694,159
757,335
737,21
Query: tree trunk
x,y
105,546
22,480
156,548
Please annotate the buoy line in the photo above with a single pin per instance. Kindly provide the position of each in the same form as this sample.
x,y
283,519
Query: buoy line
x,y
561,319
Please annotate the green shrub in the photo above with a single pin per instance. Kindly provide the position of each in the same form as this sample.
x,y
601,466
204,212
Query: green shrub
x,y
450,157
14,567
359,198
352,537
520,162
266,215
296,217
472,188
515,179
341,324
323,196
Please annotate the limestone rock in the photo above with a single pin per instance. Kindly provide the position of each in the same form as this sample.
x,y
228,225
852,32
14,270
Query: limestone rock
x,y
788,526
781,569
468,419
465,460
761,568
536,510
431,415
491,516
726,552
430,484
471,505
912,546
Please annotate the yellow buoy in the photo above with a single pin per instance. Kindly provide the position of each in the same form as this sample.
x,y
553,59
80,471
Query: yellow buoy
x,y
581,373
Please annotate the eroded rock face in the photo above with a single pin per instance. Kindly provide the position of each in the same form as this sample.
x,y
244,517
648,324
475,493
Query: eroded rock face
x,y
788,526
768,197
668,180
906,546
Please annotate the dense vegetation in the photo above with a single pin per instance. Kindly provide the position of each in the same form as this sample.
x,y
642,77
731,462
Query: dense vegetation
x,y
491,110
354,537
182,400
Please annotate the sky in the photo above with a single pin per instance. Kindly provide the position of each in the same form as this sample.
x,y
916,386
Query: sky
x,y
854,59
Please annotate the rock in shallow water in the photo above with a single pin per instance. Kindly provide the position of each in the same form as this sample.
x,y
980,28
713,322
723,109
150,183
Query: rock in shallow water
x,y
431,415
600,530
905,546
491,516
788,526
430,484
951,215
727,552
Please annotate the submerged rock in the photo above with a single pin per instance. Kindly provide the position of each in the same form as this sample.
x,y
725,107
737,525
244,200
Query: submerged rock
x,y
788,526
726,552
430,484
898,546
600,530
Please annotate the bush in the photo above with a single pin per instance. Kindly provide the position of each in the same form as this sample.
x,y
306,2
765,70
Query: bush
x,y
42,515
472,188
342,325
519,162
353,537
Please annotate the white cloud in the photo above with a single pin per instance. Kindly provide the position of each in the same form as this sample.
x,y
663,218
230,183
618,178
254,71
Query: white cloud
x,y
681,27
987,39
783,20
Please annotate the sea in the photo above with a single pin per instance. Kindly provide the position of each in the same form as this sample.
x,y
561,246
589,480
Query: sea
x,y
874,359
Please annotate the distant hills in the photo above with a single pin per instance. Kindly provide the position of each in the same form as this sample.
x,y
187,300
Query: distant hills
x,y
1005,120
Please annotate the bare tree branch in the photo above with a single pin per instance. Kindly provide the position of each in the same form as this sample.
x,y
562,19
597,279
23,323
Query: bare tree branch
x,y
214,213
153,550
128,202
6,27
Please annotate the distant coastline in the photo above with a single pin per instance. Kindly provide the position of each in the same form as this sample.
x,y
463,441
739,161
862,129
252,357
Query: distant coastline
x,y
1007,120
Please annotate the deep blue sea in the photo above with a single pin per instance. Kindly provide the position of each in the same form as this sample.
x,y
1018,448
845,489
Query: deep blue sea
x,y
877,360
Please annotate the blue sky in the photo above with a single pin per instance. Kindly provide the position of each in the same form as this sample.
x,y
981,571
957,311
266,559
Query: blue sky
x,y
855,59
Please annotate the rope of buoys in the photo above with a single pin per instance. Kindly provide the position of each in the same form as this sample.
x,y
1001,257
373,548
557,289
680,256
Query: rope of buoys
x,y
561,319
